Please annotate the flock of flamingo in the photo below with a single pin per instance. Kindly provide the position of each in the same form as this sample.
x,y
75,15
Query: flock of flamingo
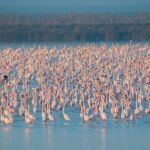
x,y
95,79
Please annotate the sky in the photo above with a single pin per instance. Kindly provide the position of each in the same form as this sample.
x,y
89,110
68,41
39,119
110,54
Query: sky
x,y
73,5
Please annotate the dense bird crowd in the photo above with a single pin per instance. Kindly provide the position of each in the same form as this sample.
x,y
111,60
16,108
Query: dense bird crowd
x,y
97,79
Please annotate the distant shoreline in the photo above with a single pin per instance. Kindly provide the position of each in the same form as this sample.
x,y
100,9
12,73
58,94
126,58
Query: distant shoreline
x,y
74,27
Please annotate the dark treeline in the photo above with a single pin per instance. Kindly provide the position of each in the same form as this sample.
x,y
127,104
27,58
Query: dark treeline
x,y
84,27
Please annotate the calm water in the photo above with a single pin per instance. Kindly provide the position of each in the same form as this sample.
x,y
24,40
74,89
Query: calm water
x,y
97,135
75,135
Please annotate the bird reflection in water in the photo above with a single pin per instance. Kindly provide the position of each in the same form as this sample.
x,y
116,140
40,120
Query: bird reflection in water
x,y
103,137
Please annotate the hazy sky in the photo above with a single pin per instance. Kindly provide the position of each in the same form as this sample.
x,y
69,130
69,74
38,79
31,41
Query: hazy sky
x,y
141,5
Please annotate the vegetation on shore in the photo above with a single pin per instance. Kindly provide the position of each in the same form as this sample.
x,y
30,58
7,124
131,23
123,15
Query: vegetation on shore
x,y
74,27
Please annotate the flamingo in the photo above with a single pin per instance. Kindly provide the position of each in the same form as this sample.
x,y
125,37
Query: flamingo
x,y
65,116
50,117
86,117
103,114
137,110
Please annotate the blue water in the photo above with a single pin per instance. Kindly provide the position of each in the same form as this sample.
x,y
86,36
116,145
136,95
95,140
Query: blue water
x,y
97,135
59,45
103,8
75,135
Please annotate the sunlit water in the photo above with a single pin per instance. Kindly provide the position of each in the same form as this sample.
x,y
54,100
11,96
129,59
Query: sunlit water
x,y
75,135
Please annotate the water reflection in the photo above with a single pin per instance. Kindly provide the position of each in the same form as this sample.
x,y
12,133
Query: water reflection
x,y
27,132
103,135
26,137
89,136
6,129
49,133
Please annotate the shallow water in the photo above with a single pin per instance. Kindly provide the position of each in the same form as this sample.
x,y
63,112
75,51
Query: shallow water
x,y
97,135
75,135
59,45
